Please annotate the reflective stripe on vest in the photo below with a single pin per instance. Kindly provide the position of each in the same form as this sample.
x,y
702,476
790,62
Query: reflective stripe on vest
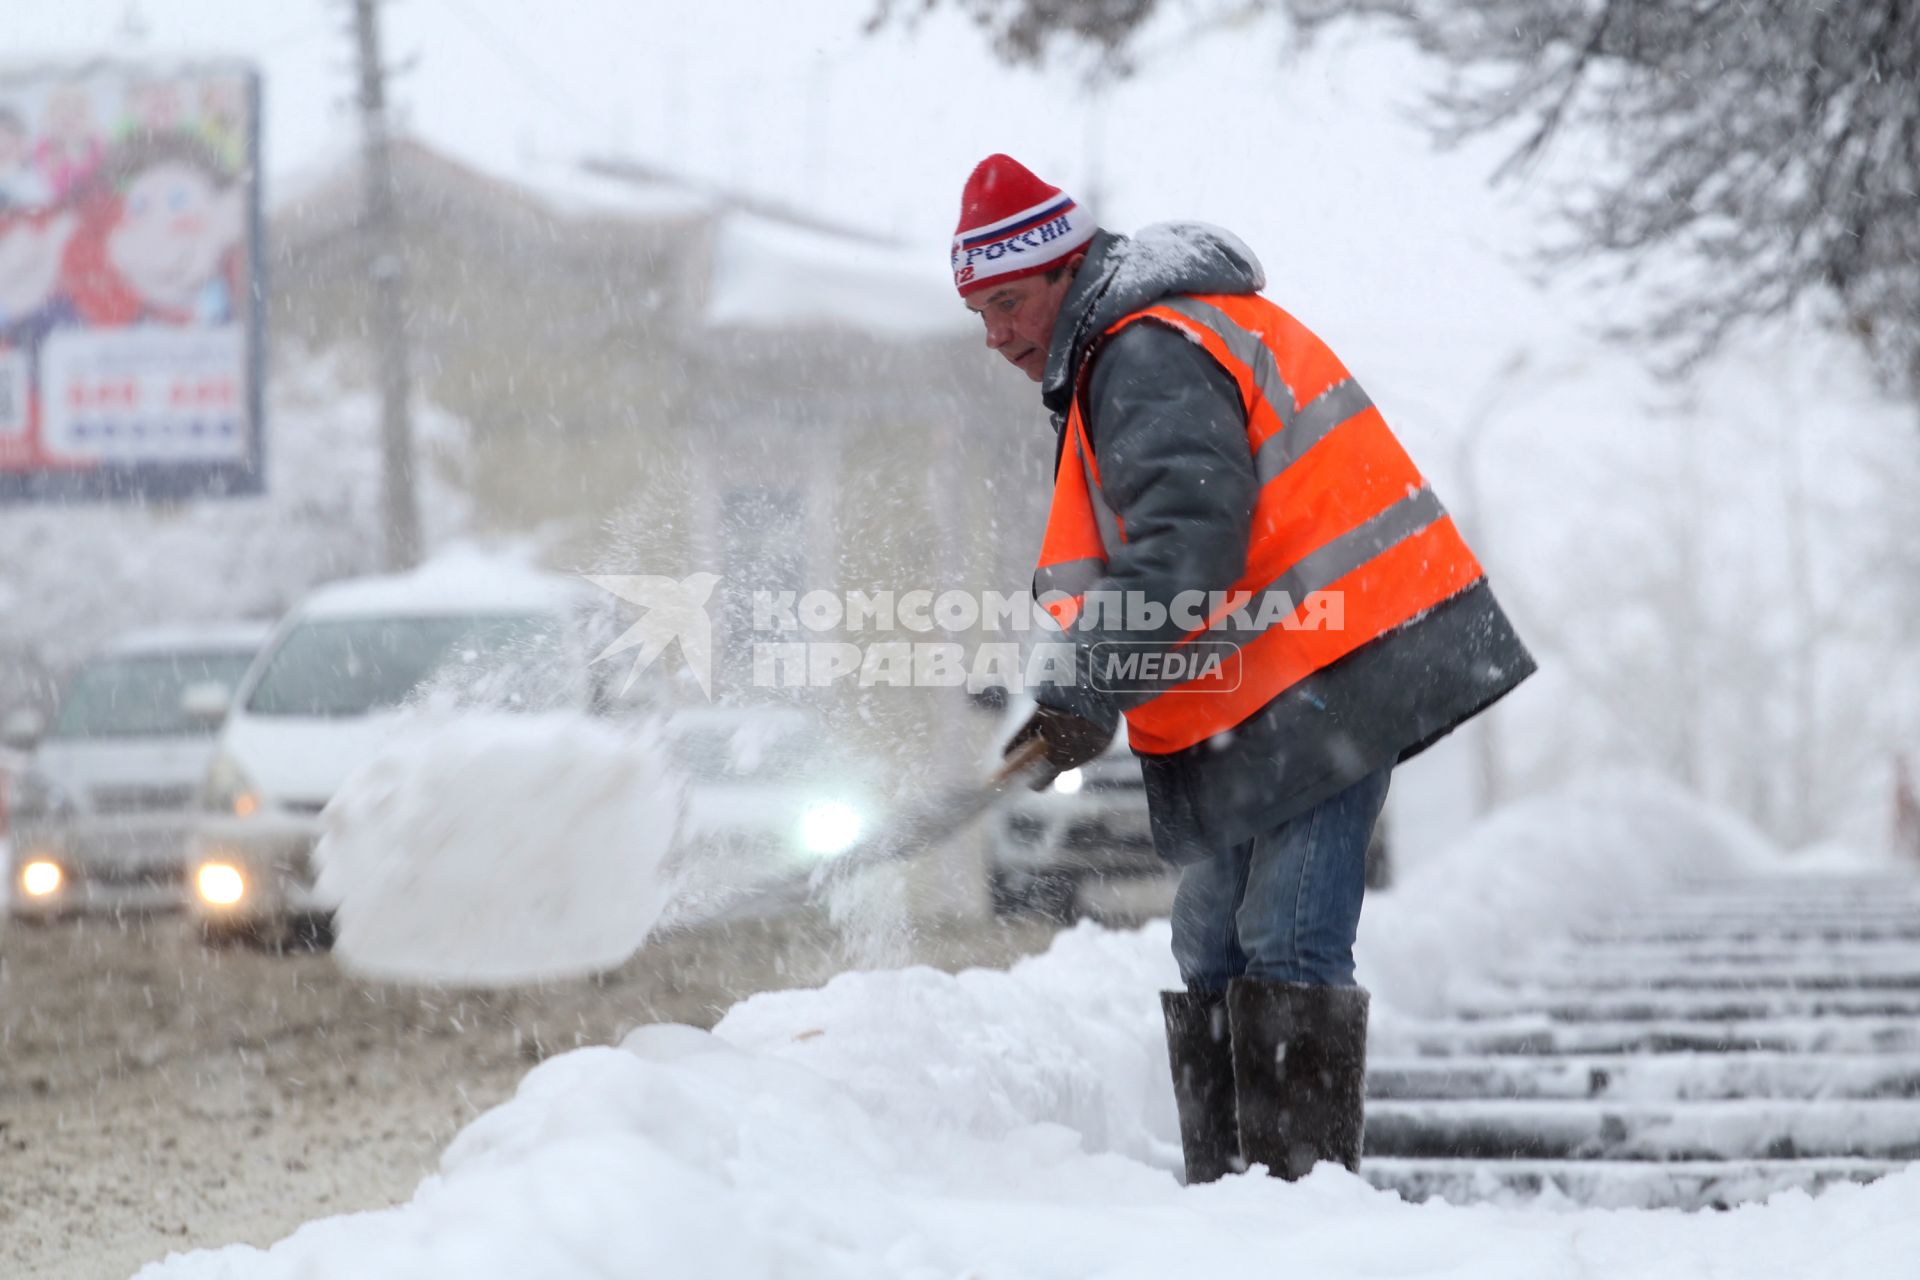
x,y
1074,556
1341,510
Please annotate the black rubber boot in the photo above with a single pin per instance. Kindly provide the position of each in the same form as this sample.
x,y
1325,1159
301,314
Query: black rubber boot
x,y
1300,1073
1200,1051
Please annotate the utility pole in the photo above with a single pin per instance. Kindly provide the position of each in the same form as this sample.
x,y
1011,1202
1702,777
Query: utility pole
x,y
400,508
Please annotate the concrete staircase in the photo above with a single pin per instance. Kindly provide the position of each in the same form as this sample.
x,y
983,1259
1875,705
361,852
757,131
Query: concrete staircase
x,y
1733,1040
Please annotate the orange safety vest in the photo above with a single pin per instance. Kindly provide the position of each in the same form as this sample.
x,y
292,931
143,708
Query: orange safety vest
x,y
1341,509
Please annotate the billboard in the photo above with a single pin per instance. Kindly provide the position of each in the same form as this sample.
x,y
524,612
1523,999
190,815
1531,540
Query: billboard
x,y
130,281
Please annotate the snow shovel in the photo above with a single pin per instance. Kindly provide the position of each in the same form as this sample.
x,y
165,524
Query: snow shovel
x,y
934,820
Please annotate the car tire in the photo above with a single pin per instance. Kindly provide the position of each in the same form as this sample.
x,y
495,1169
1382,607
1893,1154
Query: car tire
x,y
1006,897
224,935
310,933
1049,895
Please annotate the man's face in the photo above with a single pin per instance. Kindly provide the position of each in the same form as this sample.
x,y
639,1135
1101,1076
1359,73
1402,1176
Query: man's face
x,y
1019,316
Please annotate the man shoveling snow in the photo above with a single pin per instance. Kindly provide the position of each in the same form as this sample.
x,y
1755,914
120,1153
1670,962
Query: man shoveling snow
x,y
1221,478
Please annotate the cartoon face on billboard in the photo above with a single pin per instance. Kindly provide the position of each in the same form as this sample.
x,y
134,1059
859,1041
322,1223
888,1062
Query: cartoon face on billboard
x,y
179,219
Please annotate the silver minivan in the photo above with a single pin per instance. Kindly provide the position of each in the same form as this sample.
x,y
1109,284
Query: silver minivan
x,y
101,810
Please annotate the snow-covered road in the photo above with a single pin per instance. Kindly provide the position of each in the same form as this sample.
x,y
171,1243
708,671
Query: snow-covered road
x,y
157,1096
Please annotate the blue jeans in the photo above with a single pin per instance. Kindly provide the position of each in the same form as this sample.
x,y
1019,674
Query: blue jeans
x,y
1283,906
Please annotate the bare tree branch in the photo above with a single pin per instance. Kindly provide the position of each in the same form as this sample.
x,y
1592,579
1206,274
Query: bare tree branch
x,y
1771,145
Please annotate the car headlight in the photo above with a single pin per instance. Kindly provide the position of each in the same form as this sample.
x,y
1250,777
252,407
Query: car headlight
x,y
35,795
219,884
41,877
1070,782
228,789
829,828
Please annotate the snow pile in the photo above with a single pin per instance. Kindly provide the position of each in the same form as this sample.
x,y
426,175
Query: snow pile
x,y
921,1125
1020,1123
1533,870
1072,1039
492,848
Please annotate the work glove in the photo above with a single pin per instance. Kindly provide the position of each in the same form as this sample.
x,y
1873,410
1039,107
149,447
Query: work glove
x,y
1071,741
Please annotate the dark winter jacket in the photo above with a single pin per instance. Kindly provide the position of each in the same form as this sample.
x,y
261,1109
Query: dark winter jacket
x,y
1169,435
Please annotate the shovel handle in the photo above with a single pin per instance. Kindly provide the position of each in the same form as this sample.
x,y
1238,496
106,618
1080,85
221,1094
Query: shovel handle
x,y
1023,758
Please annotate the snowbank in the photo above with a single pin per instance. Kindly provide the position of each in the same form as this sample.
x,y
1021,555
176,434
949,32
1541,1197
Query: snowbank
x,y
920,1125
484,848
1020,1123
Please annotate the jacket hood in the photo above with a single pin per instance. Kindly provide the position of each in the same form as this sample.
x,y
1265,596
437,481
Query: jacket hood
x,y
1122,274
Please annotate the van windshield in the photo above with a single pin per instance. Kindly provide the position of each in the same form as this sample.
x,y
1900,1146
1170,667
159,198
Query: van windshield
x,y
139,696
354,666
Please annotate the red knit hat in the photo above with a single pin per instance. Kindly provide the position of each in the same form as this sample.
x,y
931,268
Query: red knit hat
x,y
1012,225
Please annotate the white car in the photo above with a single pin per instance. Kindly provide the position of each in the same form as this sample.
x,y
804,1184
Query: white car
x,y
1090,824
332,687
102,808
769,796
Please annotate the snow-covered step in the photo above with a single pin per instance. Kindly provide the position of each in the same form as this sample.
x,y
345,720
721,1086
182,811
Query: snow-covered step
x,y
1853,958
1738,1129
1884,906
1904,898
1615,1184
1735,962
1816,892
1881,912
1541,1036
1803,977
1717,931
1659,1078
1790,935
1784,917
1799,888
1723,1043
1698,1006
